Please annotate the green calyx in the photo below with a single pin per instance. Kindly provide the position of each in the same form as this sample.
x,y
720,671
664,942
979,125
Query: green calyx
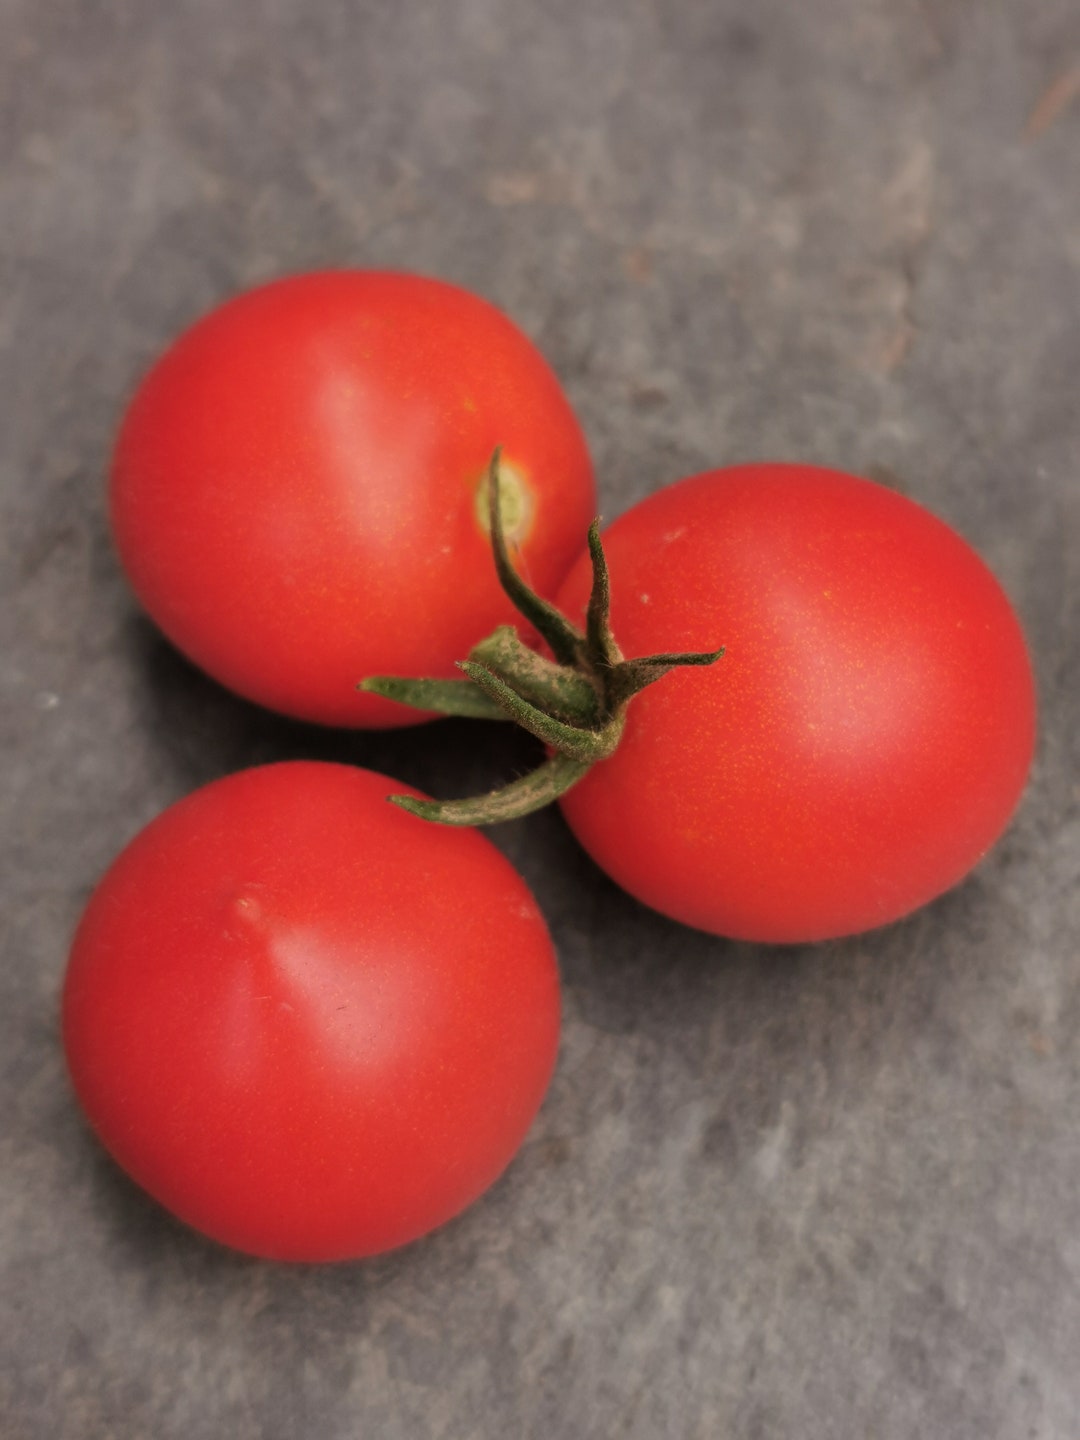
x,y
575,702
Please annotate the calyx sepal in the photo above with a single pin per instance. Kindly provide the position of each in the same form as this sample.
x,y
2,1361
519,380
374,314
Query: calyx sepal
x,y
575,702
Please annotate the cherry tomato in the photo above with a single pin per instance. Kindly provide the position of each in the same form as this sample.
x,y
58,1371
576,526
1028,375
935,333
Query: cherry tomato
x,y
862,742
298,486
311,1025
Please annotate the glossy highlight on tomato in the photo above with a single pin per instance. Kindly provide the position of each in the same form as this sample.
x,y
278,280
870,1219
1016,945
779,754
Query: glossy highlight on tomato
x,y
861,744
309,1024
297,490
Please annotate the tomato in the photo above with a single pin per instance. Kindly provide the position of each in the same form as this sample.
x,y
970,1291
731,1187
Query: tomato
x,y
862,742
297,491
311,1025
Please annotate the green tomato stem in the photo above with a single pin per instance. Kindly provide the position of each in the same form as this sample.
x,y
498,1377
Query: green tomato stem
x,y
532,792
576,703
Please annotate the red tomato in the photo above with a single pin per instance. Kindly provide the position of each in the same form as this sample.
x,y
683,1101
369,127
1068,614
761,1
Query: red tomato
x,y
863,741
297,489
311,1025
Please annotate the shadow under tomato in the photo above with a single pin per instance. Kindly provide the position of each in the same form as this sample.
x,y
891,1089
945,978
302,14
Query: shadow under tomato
x,y
204,730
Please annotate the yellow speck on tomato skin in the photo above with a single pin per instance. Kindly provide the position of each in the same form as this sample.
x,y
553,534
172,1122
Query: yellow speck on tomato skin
x,y
246,907
469,404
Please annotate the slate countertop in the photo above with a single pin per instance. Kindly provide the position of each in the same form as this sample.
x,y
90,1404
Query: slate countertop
x,y
828,1192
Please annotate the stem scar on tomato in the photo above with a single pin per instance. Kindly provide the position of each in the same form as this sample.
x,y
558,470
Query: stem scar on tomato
x,y
517,504
575,702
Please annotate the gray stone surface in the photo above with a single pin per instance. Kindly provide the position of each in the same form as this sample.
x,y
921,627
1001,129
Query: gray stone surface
x,y
827,1193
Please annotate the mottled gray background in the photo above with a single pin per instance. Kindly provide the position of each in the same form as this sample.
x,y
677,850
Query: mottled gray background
x,y
829,1193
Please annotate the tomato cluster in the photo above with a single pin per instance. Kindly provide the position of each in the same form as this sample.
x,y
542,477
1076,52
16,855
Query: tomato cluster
x,y
781,704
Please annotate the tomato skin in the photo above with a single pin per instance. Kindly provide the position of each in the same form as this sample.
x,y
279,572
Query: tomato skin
x,y
309,1024
294,486
861,744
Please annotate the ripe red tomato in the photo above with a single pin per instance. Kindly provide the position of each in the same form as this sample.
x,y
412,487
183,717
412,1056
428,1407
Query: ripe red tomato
x,y
864,739
297,489
311,1025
